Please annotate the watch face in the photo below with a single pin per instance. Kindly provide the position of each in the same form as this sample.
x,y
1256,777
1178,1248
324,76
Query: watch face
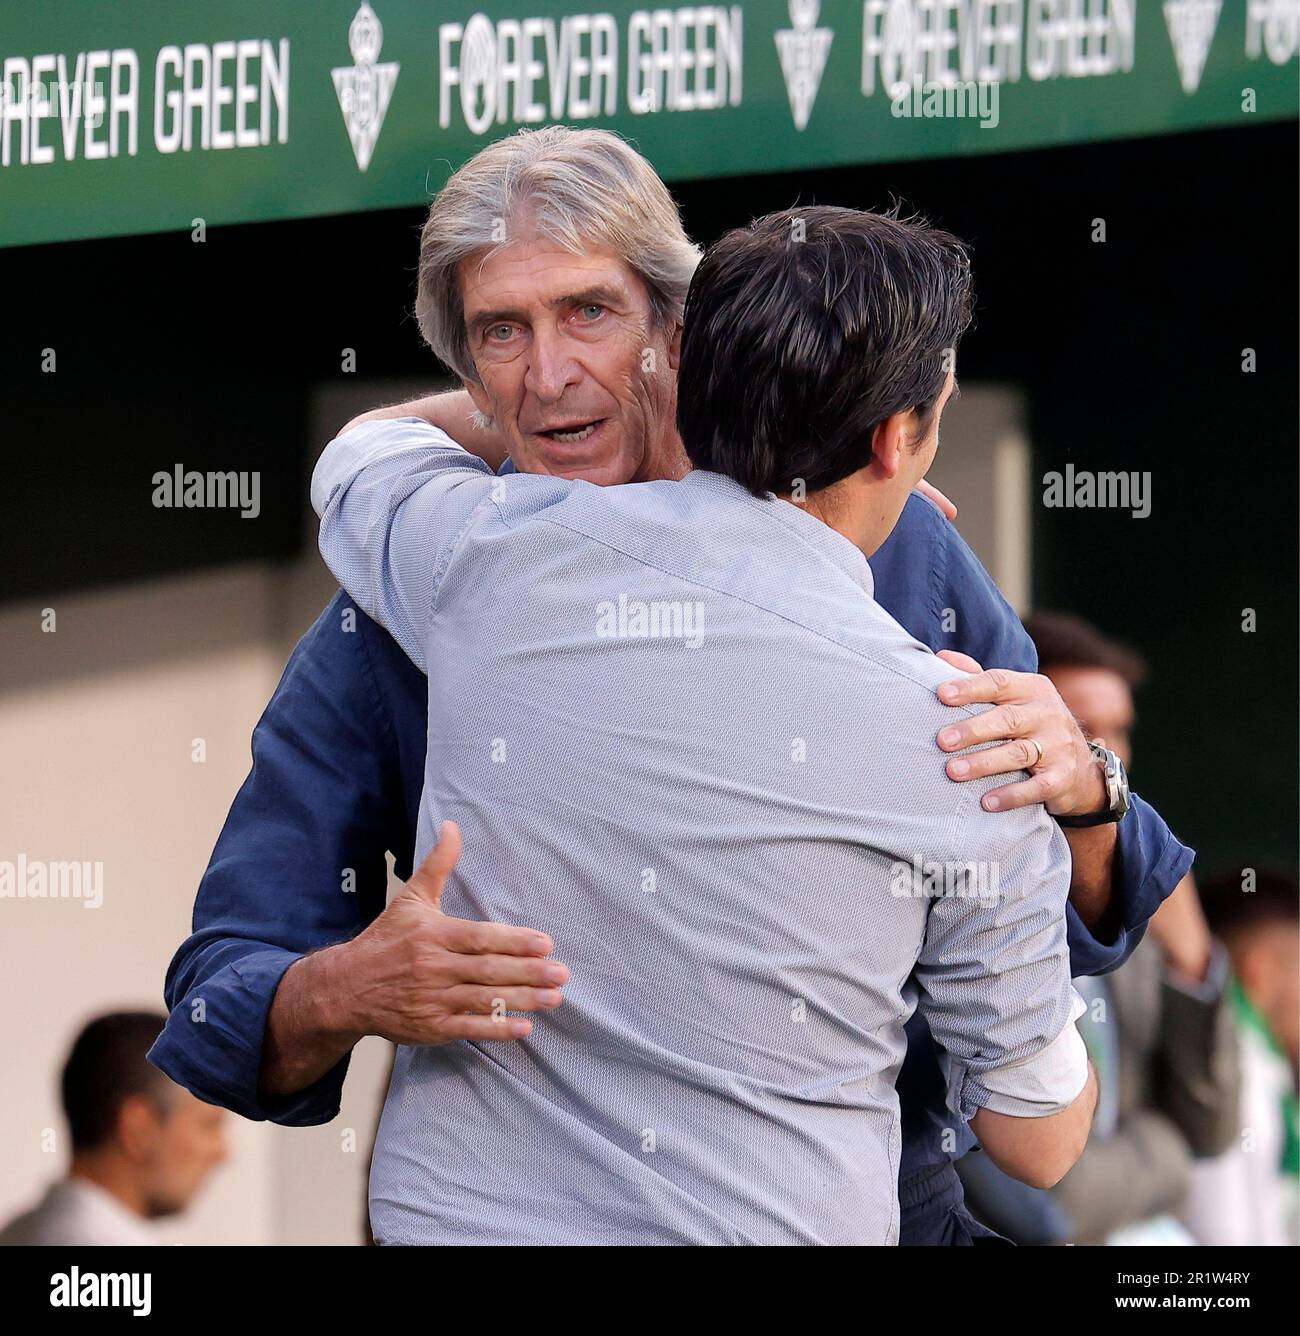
x,y
1116,779
1117,796
1116,784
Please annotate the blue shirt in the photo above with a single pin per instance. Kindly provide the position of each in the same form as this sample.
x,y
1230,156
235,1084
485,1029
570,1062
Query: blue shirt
x,y
338,760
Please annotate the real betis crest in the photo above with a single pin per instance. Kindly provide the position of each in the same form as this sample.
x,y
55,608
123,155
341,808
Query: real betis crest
x,y
1191,25
364,89
803,50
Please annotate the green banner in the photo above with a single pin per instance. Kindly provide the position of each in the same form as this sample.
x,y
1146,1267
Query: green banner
x,y
148,117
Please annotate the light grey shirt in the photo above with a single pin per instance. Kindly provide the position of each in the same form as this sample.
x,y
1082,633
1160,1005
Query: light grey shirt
x,y
680,736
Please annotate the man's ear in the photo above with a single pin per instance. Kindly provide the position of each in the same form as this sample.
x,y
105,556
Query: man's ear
x,y
138,1125
675,348
888,441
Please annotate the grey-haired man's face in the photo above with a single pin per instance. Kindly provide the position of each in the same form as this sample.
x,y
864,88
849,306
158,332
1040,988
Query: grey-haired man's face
x,y
573,367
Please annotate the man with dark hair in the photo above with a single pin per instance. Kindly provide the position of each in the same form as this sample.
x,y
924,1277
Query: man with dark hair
x,y
676,725
788,369
141,1145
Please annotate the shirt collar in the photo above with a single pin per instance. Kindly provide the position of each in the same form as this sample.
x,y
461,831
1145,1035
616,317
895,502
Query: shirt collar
x,y
831,544
816,533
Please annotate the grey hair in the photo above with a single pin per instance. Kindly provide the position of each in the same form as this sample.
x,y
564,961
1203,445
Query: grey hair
x,y
582,189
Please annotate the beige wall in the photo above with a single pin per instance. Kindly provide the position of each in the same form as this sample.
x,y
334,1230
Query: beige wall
x,y
97,722
983,464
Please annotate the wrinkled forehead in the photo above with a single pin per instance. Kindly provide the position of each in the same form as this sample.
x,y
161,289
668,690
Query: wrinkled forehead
x,y
536,273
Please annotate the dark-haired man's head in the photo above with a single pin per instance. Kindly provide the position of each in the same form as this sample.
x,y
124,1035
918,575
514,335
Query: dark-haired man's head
x,y
134,1131
1095,675
1257,917
817,354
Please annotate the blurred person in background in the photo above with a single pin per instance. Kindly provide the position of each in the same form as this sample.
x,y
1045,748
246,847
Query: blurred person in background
x,y
141,1145
1160,1030
1251,1193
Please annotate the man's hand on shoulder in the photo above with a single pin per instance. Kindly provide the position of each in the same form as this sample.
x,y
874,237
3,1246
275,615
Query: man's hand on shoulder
x,y
1037,733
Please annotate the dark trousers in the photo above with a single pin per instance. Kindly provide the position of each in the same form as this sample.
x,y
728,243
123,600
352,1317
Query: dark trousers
x,y
933,1213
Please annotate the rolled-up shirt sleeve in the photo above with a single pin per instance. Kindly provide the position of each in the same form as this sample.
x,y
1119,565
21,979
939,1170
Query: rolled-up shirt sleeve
x,y
1047,1082
994,968
1150,861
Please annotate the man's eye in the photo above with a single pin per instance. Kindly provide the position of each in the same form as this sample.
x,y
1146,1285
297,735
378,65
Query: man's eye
x,y
500,332
593,311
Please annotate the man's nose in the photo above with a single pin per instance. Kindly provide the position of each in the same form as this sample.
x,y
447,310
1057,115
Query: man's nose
x,y
551,369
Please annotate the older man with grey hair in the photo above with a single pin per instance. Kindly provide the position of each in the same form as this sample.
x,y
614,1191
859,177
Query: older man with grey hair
x,y
553,273
579,223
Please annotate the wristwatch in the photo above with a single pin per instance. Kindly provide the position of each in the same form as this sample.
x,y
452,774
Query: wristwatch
x,y
1116,792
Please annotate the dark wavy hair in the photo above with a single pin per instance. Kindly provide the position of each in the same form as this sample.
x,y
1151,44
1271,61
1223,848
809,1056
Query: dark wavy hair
x,y
804,331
